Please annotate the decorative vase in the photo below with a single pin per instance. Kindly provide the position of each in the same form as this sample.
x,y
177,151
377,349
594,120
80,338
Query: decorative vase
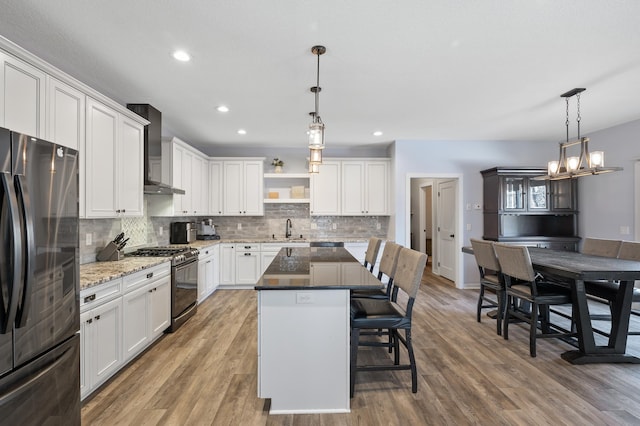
x,y
278,169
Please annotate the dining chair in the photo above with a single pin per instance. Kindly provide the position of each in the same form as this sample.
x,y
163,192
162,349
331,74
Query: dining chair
x,y
608,290
367,314
388,263
601,247
371,255
490,280
522,285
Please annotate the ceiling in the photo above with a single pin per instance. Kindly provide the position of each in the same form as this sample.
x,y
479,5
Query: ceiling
x,y
413,69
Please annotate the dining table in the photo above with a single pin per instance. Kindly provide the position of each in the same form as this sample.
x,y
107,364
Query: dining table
x,y
575,268
304,315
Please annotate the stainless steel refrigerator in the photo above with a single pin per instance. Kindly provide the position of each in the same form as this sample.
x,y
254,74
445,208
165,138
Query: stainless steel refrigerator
x,y
39,282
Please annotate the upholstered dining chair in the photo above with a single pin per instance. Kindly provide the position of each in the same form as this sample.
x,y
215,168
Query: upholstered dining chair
x,y
490,280
367,314
371,255
388,263
608,290
521,285
601,247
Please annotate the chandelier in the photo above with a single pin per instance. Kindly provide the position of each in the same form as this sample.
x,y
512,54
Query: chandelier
x,y
587,163
316,128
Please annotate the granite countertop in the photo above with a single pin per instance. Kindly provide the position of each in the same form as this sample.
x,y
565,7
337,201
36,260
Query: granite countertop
x,y
92,274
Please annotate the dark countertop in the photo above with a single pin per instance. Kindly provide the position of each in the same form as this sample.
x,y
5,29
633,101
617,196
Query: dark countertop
x,y
317,268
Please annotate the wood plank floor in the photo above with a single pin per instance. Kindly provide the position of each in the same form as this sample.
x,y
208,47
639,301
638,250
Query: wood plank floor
x,y
205,374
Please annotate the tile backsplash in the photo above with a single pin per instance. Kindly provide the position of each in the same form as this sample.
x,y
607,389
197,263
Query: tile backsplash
x,y
145,231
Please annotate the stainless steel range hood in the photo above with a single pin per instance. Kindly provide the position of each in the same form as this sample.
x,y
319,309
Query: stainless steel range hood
x,y
153,151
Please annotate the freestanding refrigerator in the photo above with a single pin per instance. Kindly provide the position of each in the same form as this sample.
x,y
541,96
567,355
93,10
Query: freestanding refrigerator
x,y
39,282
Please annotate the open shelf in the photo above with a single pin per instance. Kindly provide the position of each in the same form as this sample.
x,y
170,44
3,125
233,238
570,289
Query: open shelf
x,y
286,200
286,175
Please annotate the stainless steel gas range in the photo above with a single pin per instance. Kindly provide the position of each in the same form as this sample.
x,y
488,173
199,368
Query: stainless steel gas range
x,y
184,280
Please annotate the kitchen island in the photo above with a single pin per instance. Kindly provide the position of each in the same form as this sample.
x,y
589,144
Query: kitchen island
x,y
303,328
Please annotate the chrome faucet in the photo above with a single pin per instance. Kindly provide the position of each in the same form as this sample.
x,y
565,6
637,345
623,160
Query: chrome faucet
x,y
288,226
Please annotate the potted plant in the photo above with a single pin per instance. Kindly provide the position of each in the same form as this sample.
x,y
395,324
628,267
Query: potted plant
x,y
278,165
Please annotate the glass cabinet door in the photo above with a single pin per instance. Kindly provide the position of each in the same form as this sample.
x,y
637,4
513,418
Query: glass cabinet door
x,y
538,198
563,195
513,193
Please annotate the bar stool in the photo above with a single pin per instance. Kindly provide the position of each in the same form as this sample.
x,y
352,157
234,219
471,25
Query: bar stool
x,y
371,256
387,314
388,263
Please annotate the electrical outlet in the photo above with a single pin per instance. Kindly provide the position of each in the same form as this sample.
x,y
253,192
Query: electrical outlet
x,y
476,206
378,226
624,230
334,226
160,231
468,227
314,226
89,239
468,206
239,226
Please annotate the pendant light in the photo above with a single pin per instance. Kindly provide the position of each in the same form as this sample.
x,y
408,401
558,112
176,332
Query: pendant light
x,y
316,128
586,163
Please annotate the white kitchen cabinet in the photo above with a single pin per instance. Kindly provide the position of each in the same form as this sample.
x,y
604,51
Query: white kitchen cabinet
x,y
199,190
248,268
325,189
65,115
206,273
146,308
22,96
101,344
365,187
113,163
243,188
215,188
227,264
266,257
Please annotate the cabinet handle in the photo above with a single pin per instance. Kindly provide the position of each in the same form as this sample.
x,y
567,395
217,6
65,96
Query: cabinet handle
x,y
247,254
247,247
90,298
97,317
90,320
150,274
124,210
118,211
208,261
150,290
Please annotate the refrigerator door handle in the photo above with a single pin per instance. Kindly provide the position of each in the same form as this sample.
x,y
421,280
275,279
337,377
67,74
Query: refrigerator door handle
x,y
15,274
27,209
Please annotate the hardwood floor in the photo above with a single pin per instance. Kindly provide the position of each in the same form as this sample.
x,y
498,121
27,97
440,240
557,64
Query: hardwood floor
x,y
205,374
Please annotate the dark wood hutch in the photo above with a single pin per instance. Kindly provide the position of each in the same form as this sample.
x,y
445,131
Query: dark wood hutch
x,y
536,213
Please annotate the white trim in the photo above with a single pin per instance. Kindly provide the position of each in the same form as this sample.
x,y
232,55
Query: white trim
x,y
459,274
636,191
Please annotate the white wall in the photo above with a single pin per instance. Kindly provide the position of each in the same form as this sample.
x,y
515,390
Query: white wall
x,y
465,158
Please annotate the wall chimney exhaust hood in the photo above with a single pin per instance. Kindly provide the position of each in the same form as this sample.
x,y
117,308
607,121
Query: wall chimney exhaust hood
x,y
153,151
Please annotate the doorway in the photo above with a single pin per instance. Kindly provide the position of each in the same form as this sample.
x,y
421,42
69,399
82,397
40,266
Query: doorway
x,y
435,222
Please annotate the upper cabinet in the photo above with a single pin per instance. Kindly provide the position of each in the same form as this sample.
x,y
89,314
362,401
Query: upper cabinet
x,y
22,96
65,114
351,187
243,187
215,187
365,187
113,163
326,188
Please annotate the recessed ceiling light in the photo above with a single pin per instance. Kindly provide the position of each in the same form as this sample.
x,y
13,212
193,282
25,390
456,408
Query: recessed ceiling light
x,y
223,108
181,56
377,133
242,132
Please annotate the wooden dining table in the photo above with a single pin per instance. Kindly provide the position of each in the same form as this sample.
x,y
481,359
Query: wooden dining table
x,y
576,268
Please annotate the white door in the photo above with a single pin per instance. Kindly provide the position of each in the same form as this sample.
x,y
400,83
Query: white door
x,y
447,213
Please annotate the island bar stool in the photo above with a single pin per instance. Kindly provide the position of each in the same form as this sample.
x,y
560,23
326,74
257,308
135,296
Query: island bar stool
x,y
388,263
368,314
490,279
521,285
371,255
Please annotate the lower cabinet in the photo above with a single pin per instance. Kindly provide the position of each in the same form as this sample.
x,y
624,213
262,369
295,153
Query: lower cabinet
x,y
227,264
101,344
207,280
115,327
248,269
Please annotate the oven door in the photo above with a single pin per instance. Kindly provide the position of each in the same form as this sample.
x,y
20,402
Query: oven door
x,y
184,291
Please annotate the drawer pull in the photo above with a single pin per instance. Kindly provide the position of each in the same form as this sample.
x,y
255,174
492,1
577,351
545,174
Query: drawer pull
x,y
247,247
97,317
150,274
90,298
247,254
90,320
